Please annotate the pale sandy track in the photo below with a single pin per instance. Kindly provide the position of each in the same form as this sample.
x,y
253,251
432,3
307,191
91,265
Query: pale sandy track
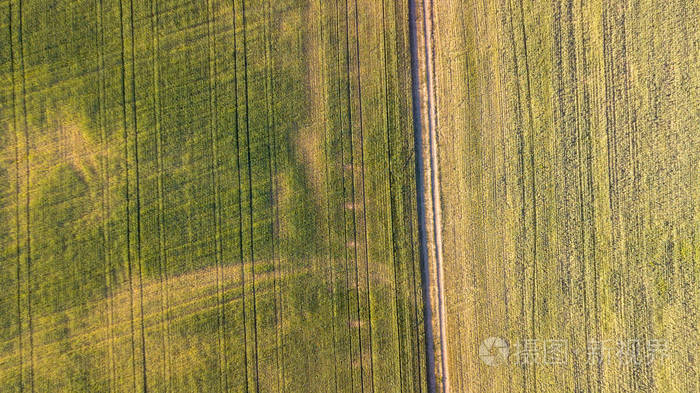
x,y
435,186
427,20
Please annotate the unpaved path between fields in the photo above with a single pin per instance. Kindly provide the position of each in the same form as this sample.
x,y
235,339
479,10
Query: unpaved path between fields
x,y
435,191
435,186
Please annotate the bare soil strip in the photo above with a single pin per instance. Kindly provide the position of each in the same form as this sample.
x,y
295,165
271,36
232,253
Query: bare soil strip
x,y
435,186
420,196
427,21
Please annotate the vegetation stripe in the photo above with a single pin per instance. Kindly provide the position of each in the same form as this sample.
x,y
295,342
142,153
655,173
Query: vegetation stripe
x,y
390,193
354,200
523,190
528,98
211,80
56,350
240,197
276,229
135,131
364,197
274,216
329,257
416,297
27,200
586,113
344,192
20,382
250,196
105,202
126,194
162,259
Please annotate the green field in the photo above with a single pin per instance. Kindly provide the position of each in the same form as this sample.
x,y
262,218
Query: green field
x,y
569,140
192,194
220,196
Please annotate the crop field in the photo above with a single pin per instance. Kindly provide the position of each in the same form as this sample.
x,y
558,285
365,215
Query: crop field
x,y
569,143
227,196
210,196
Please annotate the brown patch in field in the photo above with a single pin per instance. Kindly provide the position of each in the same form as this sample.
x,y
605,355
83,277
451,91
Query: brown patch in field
x,y
356,323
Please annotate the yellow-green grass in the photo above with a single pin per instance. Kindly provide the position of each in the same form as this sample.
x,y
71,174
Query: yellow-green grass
x,y
143,141
100,330
568,136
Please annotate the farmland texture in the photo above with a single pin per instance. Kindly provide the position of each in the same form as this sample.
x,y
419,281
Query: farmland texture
x,y
223,196
569,140
209,196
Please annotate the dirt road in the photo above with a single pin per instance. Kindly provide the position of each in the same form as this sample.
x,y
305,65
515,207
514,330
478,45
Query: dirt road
x,y
434,187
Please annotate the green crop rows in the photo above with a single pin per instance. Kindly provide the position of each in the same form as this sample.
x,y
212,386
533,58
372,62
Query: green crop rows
x,y
192,194
570,195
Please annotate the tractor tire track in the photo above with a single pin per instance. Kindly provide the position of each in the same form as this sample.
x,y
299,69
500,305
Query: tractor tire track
x,y
162,259
18,229
126,194
240,200
27,201
364,197
270,132
192,307
352,193
250,196
390,195
137,190
275,220
326,148
47,319
105,202
211,84
364,200
343,185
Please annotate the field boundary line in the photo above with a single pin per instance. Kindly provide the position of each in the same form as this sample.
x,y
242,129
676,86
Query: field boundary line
x,y
250,195
428,36
421,197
